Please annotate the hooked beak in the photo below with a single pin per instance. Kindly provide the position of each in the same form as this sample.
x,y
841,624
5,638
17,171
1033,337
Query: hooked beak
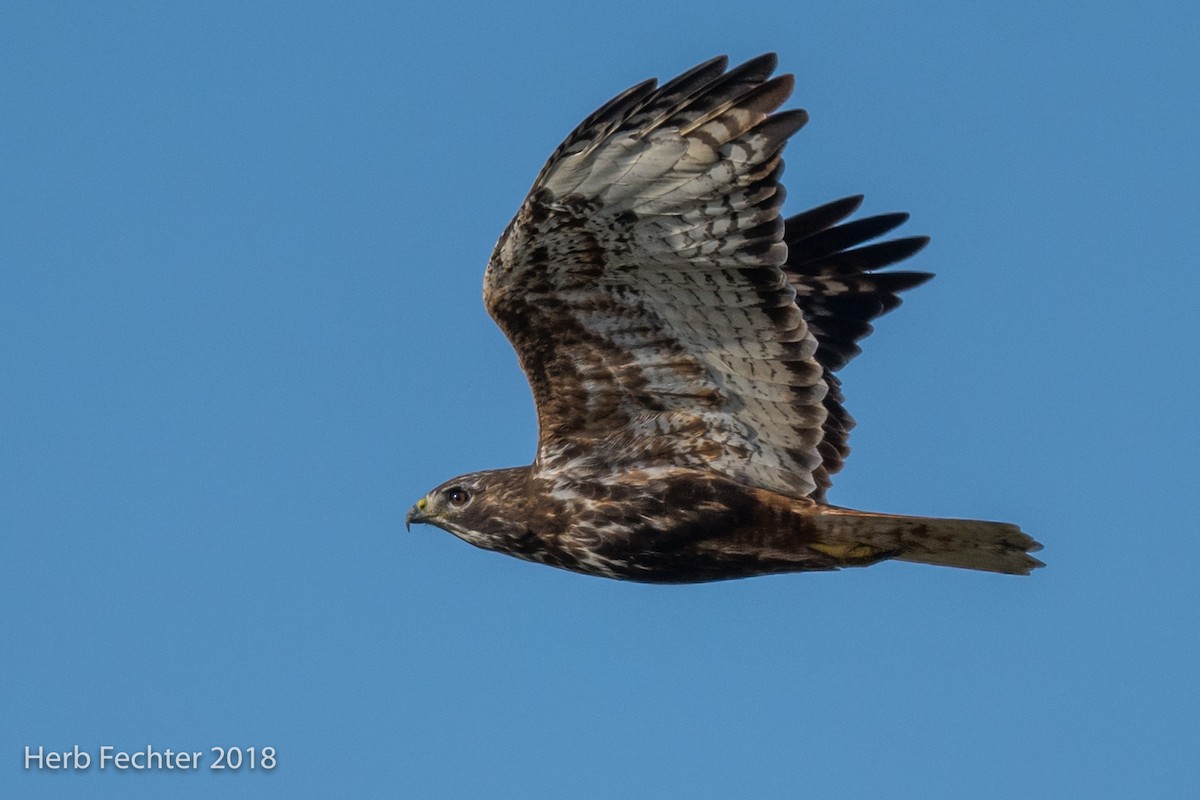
x,y
416,514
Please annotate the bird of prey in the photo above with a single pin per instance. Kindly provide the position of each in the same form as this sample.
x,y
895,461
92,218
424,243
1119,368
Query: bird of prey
x,y
681,340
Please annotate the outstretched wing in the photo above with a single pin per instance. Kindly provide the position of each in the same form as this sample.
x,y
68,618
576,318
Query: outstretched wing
x,y
646,286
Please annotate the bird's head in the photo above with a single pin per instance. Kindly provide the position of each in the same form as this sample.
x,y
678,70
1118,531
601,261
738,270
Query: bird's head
x,y
477,507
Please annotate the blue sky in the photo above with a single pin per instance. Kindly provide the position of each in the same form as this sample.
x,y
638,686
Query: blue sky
x,y
241,247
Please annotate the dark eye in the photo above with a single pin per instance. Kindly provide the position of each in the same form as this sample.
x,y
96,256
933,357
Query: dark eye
x,y
457,496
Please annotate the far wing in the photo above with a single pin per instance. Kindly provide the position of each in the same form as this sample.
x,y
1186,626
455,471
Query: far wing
x,y
832,268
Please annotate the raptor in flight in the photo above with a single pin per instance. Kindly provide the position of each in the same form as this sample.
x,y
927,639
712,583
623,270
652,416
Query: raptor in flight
x,y
681,339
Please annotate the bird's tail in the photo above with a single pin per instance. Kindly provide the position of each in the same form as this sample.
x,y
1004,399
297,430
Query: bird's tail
x,y
965,543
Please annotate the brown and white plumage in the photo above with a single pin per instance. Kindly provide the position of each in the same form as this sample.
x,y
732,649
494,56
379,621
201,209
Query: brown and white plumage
x,y
681,338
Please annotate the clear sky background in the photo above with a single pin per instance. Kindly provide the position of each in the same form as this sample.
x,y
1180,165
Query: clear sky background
x,y
241,249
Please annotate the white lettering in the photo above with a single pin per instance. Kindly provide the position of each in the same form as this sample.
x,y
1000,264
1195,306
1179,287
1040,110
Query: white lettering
x,y
147,759
67,759
29,756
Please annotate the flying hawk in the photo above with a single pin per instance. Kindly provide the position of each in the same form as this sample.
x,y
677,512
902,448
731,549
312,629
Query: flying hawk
x,y
681,340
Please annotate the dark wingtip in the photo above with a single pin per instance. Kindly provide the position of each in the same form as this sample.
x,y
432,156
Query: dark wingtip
x,y
806,223
785,123
766,62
